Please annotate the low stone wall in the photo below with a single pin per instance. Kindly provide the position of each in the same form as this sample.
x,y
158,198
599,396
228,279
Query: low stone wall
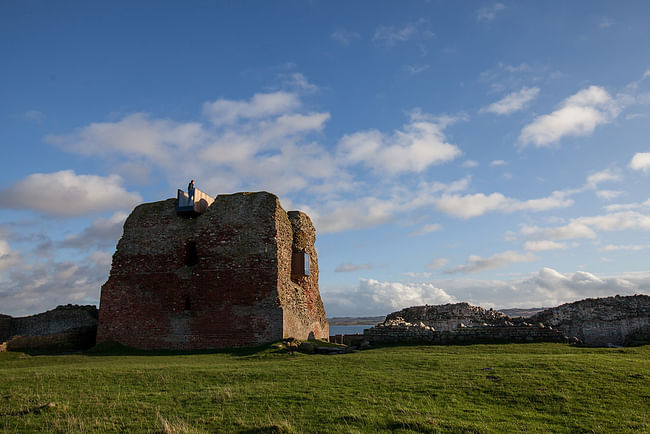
x,y
67,327
59,320
5,327
353,340
496,334
73,341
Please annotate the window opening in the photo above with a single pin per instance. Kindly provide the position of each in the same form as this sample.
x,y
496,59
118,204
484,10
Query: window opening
x,y
191,257
300,263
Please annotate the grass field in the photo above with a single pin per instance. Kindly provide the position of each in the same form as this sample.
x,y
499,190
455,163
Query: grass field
x,y
478,388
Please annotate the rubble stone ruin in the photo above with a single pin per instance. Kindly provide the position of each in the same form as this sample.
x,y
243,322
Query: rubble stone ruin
x,y
597,322
458,323
235,270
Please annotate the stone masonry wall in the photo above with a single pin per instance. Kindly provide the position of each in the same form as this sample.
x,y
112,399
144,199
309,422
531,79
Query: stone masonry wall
x,y
410,333
199,282
304,313
602,321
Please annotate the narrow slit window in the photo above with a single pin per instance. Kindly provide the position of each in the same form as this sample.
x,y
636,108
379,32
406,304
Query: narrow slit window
x,y
187,302
191,257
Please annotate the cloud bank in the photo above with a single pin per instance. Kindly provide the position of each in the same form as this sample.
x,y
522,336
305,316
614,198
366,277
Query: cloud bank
x,y
67,194
544,288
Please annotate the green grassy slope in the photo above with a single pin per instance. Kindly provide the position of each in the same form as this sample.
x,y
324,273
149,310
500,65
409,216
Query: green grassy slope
x,y
479,388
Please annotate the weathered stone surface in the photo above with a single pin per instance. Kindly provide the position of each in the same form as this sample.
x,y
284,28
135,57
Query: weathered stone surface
x,y
218,280
448,317
501,328
601,321
304,310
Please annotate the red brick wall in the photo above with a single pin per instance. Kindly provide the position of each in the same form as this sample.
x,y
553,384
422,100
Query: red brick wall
x,y
230,297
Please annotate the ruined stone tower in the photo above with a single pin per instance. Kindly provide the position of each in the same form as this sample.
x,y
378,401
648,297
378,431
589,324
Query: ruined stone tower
x,y
242,272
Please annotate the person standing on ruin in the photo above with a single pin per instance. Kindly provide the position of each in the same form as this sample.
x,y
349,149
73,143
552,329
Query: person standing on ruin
x,y
190,190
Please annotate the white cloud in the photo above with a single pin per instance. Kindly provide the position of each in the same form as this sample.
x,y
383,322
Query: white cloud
x,y
618,221
489,13
101,233
608,194
542,245
512,102
586,227
348,267
470,163
8,257
477,264
101,259
641,161
606,175
575,229
606,23
470,205
420,144
298,82
255,144
373,297
578,115
628,247
261,105
473,205
427,229
339,215
391,36
344,37
35,116
135,135
544,288
627,206
498,163
416,275
632,116
32,288
413,70
355,214
437,264
67,194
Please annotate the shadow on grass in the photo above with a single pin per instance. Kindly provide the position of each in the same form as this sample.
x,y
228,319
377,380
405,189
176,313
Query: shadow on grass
x,y
117,349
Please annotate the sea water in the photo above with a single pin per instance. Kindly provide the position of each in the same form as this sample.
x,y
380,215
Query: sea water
x,y
349,329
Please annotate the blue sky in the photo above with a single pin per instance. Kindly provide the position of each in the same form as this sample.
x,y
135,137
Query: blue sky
x,y
490,152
